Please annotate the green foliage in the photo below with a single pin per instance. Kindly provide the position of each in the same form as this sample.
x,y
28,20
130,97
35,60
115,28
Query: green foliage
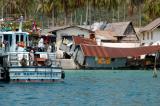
x,y
46,12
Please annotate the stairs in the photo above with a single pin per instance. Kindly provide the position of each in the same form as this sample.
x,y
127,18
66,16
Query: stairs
x,y
13,59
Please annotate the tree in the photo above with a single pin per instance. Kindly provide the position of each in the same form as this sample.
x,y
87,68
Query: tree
x,y
152,9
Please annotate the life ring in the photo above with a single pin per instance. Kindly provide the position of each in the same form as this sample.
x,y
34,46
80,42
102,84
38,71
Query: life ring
x,y
35,63
23,62
48,63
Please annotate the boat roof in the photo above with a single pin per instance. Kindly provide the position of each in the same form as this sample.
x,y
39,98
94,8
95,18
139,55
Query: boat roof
x,y
13,32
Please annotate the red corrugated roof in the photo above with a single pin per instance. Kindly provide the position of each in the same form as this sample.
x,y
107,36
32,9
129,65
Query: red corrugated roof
x,y
100,51
80,40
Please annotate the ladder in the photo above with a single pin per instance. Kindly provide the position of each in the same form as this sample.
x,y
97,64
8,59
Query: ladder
x,y
13,59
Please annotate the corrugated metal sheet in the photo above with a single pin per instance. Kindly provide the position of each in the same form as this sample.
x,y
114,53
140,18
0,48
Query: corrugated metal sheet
x,y
100,51
80,40
154,24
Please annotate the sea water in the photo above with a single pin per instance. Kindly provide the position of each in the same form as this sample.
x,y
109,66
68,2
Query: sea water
x,y
87,88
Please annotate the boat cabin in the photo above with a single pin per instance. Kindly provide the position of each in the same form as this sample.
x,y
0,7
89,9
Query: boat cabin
x,y
14,41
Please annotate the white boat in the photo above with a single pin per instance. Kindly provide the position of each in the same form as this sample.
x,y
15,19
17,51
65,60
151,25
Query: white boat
x,y
28,66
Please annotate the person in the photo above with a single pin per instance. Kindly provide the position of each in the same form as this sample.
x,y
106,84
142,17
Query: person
x,y
41,44
31,57
6,45
53,47
49,48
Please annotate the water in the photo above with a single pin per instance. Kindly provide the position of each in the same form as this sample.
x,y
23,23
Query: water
x,y
87,88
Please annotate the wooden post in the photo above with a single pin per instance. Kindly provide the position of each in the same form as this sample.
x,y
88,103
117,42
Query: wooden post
x,y
155,70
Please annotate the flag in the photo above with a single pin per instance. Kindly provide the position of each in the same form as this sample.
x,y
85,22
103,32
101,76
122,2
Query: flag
x,y
34,27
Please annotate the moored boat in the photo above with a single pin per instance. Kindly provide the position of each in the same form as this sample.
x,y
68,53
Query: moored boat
x,y
27,65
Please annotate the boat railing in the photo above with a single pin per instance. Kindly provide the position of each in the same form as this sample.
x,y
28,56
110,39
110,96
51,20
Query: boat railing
x,y
55,63
2,50
15,59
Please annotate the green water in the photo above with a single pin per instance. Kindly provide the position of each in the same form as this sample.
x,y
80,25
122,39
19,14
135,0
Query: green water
x,y
87,88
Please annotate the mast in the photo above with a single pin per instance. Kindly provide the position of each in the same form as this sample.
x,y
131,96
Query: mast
x,y
20,24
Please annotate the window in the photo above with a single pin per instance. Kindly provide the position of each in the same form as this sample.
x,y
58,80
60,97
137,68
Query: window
x,y
113,59
17,38
22,38
8,38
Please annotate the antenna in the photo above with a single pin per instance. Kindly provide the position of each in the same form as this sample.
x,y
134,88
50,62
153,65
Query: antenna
x,y
20,24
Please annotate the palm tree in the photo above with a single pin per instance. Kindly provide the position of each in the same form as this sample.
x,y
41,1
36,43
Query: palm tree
x,y
42,8
152,9
28,7
10,7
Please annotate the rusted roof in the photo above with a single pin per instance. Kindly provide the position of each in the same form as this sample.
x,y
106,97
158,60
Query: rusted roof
x,y
119,28
100,51
106,35
151,26
80,40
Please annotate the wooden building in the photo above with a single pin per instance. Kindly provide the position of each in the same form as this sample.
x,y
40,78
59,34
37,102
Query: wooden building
x,y
150,34
69,31
121,34
94,56
124,31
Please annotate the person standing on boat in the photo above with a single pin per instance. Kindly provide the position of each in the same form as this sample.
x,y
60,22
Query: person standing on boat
x,y
31,57
49,49
41,44
53,47
6,45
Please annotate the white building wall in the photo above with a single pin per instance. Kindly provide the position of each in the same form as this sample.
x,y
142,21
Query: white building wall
x,y
71,31
156,36
148,40
121,45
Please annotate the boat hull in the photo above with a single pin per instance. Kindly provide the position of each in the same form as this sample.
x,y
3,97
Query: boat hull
x,y
36,81
35,74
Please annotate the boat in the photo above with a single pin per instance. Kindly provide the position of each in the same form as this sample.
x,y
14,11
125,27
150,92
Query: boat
x,y
26,65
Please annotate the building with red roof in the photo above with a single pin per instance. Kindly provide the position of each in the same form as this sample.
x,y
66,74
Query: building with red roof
x,y
94,56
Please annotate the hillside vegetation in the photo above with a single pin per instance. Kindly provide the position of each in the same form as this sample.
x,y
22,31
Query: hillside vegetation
x,y
79,12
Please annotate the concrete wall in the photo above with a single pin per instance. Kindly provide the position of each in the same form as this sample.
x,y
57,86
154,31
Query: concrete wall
x,y
68,64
